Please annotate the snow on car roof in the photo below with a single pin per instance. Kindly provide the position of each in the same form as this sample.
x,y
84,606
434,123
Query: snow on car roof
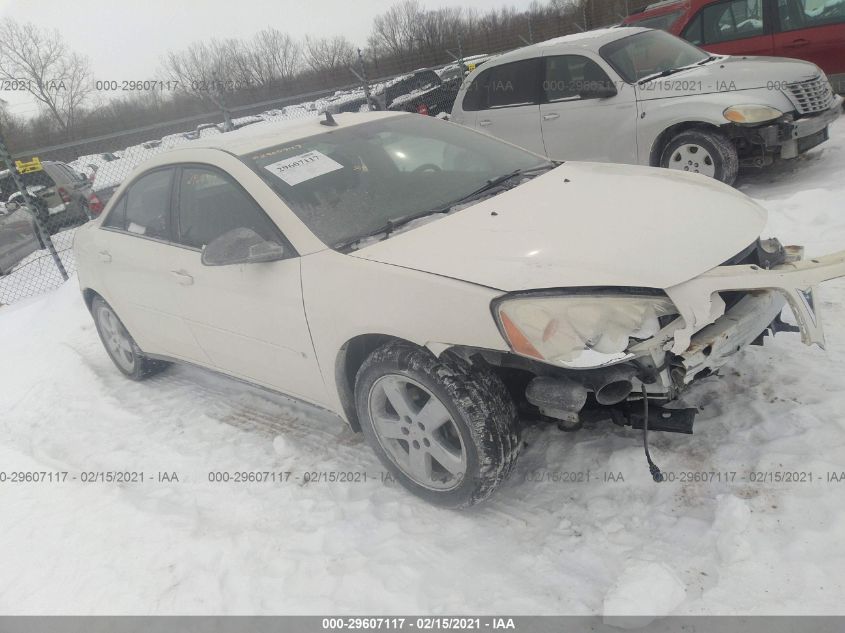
x,y
257,137
592,40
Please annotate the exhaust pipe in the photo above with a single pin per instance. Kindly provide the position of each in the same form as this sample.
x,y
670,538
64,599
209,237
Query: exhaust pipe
x,y
611,385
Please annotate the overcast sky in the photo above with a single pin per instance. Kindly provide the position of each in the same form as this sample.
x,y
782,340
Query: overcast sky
x,y
125,39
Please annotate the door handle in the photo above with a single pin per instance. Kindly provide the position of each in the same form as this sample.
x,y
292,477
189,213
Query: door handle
x,y
797,43
485,122
104,256
182,278
551,116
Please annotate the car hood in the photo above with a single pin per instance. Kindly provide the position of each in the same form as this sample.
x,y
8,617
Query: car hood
x,y
728,74
584,224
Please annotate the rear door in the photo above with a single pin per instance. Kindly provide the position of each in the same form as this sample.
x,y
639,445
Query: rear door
x,y
579,125
135,250
813,30
732,27
508,103
249,319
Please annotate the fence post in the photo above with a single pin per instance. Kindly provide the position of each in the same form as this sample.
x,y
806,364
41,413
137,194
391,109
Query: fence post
x,y
363,78
29,203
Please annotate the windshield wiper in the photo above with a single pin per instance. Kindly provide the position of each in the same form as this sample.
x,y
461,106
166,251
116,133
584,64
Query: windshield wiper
x,y
493,183
391,225
672,71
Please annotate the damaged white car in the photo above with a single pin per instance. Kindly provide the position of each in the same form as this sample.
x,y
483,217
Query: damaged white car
x,y
426,282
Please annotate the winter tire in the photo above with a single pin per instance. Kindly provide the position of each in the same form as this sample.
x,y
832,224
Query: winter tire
x,y
445,429
119,344
704,152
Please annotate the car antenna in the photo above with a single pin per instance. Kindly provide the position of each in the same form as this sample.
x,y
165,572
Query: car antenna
x,y
329,121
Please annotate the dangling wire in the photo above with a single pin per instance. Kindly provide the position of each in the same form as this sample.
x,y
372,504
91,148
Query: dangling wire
x,y
656,475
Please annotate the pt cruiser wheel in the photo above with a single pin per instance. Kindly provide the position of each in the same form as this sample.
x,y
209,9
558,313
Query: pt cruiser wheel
x,y
702,152
120,345
445,429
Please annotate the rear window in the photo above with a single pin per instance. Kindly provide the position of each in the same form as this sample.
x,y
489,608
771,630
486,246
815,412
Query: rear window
x,y
33,181
803,14
504,86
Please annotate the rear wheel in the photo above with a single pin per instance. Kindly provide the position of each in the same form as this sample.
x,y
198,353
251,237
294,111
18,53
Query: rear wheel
x,y
706,152
121,347
445,429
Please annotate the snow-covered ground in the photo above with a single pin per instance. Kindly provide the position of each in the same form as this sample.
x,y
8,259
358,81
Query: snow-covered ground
x,y
539,546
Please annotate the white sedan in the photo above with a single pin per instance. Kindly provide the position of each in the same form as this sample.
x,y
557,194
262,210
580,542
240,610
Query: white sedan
x,y
423,281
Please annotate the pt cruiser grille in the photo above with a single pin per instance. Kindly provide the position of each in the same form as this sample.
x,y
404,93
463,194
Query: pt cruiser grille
x,y
811,96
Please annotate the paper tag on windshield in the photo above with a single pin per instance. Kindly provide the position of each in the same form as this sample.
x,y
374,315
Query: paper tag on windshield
x,y
297,169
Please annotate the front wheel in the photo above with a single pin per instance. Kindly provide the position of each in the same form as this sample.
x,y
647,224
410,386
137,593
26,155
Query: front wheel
x,y
446,430
706,152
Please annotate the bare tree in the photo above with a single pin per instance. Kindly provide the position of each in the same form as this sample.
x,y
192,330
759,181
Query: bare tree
x,y
58,78
395,32
328,54
274,56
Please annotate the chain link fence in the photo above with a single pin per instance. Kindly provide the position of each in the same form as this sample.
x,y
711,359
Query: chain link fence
x,y
45,193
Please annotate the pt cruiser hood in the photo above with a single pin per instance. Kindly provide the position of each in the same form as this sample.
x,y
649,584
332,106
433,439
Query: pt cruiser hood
x,y
728,74
584,224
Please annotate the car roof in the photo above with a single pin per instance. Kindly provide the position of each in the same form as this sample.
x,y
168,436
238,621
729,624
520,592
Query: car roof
x,y
591,40
254,138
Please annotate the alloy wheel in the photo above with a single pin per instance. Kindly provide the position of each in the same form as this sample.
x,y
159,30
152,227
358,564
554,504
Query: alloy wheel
x,y
116,338
417,432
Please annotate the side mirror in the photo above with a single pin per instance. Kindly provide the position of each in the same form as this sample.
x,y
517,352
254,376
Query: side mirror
x,y
241,246
597,90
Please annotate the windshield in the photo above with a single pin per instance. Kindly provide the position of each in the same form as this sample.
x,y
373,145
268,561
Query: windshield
x,y
649,53
348,182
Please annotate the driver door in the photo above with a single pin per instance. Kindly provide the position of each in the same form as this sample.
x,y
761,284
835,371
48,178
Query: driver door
x,y
249,319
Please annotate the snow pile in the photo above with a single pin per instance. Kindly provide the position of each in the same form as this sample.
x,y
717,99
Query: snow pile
x,y
543,544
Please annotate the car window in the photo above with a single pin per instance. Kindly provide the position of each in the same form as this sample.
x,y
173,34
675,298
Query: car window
x,y
211,204
802,14
567,75
514,84
475,97
116,219
148,205
726,21
692,32
34,181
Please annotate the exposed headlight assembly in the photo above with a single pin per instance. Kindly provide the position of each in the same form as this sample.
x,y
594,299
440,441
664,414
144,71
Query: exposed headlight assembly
x,y
751,113
579,331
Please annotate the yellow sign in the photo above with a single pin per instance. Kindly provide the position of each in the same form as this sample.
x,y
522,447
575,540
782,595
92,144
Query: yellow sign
x,y
471,66
30,166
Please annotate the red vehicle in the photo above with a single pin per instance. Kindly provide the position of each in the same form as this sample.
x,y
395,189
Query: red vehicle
x,y
812,30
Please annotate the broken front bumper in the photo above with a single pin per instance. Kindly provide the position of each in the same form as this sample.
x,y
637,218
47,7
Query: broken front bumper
x,y
708,334
788,138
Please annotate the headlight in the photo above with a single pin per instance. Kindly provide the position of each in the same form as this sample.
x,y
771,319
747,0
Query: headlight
x,y
751,113
579,331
